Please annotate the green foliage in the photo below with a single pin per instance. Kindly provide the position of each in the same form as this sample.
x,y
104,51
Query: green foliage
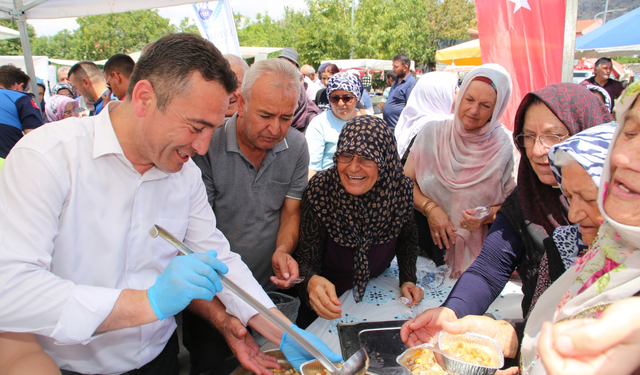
x,y
382,29
626,59
13,46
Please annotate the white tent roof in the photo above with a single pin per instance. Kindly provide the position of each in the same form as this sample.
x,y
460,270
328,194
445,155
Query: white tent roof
x,y
45,9
365,64
7,33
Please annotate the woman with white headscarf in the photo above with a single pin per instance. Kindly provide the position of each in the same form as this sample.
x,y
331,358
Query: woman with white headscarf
x,y
431,99
462,163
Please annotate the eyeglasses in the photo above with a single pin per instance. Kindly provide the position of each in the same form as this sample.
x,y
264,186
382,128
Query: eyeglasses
x,y
547,140
335,99
347,158
107,82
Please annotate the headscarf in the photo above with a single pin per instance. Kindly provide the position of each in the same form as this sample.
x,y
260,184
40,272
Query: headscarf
x,y
56,105
605,95
59,86
607,273
347,82
376,217
459,170
535,209
431,99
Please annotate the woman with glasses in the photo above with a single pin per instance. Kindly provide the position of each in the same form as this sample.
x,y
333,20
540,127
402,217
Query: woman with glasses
x,y
464,168
60,107
344,91
355,218
322,100
528,216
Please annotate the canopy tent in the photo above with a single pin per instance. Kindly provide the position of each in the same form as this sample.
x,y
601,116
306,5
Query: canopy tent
x,y
7,33
365,64
46,9
619,37
467,53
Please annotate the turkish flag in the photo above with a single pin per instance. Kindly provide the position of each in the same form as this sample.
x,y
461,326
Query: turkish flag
x,y
526,38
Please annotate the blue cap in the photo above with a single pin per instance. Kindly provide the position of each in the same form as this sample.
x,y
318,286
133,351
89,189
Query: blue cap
x,y
40,82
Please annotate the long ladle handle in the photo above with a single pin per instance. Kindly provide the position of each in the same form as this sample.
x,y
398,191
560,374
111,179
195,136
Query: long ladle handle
x,y
157,230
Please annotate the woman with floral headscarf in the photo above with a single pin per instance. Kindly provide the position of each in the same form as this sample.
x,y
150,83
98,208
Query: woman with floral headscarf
x,y
355,218
344,91
528,216
60,107
463,162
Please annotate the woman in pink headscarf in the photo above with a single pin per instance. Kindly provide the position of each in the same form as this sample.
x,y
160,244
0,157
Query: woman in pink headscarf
x,y
464,167
60,107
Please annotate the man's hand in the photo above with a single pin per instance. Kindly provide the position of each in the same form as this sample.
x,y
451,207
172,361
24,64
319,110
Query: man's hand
x,y
285,269
609,345
245,348
323,298
423,328
499,330
186,278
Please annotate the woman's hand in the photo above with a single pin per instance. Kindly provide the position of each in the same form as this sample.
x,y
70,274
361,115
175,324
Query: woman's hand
x,y
441,228
470,222
499,330
323,298
412,292
423,328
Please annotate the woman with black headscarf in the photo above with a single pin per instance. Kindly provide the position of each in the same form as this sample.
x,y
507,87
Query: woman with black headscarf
x,y
355,218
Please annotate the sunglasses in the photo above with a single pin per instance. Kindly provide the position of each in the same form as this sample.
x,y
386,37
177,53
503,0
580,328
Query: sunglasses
x,y
335,99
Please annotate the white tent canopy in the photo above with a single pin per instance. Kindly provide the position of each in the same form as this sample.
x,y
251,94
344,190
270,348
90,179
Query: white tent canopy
x,y
365,64
7,33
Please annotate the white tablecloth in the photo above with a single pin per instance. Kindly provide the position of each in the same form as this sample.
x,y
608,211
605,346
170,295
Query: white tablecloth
x,y
382,301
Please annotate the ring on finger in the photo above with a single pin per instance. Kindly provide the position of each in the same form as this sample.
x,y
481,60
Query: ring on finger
x,y
436,234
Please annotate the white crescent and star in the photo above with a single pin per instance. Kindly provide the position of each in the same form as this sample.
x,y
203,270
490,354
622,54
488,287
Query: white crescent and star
x,y
520,4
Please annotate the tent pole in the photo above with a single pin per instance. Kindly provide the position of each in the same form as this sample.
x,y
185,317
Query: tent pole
x,y
26,48
570,24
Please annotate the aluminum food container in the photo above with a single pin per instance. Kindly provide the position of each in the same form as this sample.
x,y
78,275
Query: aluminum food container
x,y
407,354
456,367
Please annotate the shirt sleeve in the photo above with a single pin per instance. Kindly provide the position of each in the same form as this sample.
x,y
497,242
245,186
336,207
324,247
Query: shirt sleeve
x,y
483,281
28,112
33,298
316,144
203,235
407,251
311,245
300,176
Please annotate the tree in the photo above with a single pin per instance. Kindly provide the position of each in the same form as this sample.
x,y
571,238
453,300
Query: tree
x,y
13,46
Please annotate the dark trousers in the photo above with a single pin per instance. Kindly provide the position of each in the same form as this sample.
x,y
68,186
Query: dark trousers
x,y
166,363
208,350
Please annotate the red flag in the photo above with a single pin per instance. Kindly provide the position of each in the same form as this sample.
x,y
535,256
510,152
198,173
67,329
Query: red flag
x,y
526,38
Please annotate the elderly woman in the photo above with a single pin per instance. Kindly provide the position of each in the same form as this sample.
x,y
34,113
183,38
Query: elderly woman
x,y
60,107
432,99
602,94
609,271
472,166
355,217
529,215
344,91
63,88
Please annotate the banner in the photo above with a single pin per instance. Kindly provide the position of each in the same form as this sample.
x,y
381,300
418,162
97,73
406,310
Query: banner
x,y
526,38
215,22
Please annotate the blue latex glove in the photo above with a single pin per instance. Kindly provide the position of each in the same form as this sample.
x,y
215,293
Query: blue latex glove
x,y
297,356
186,278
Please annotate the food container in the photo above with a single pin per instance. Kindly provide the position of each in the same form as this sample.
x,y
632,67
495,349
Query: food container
x,y
474,340
455,366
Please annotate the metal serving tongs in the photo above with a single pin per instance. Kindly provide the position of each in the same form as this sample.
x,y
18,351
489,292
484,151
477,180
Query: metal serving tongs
x,y
358,363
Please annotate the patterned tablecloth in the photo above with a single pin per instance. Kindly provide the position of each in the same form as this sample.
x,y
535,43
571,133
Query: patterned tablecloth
x,y
382,301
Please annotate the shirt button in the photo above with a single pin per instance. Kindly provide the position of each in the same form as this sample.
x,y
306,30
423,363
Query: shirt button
x,y
137,225
131,268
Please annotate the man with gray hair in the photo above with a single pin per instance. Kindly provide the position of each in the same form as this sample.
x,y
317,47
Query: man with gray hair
x,y
239,67
309,78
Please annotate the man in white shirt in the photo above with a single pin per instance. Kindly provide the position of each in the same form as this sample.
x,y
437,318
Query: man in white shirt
x,y
77,265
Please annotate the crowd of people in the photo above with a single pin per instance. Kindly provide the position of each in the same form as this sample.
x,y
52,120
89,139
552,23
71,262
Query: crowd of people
x,y
296,187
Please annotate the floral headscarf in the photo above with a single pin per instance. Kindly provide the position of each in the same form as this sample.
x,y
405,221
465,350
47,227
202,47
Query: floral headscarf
x,y
61,85
347,82
375,217
605,95
56,105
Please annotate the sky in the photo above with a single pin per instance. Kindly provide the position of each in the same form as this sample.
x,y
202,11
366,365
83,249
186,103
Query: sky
x,y
248,8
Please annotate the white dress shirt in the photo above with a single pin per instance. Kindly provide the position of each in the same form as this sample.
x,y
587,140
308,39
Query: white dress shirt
x,y
74,232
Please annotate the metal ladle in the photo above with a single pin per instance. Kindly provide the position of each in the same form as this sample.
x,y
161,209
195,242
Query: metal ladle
x,y
359,362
